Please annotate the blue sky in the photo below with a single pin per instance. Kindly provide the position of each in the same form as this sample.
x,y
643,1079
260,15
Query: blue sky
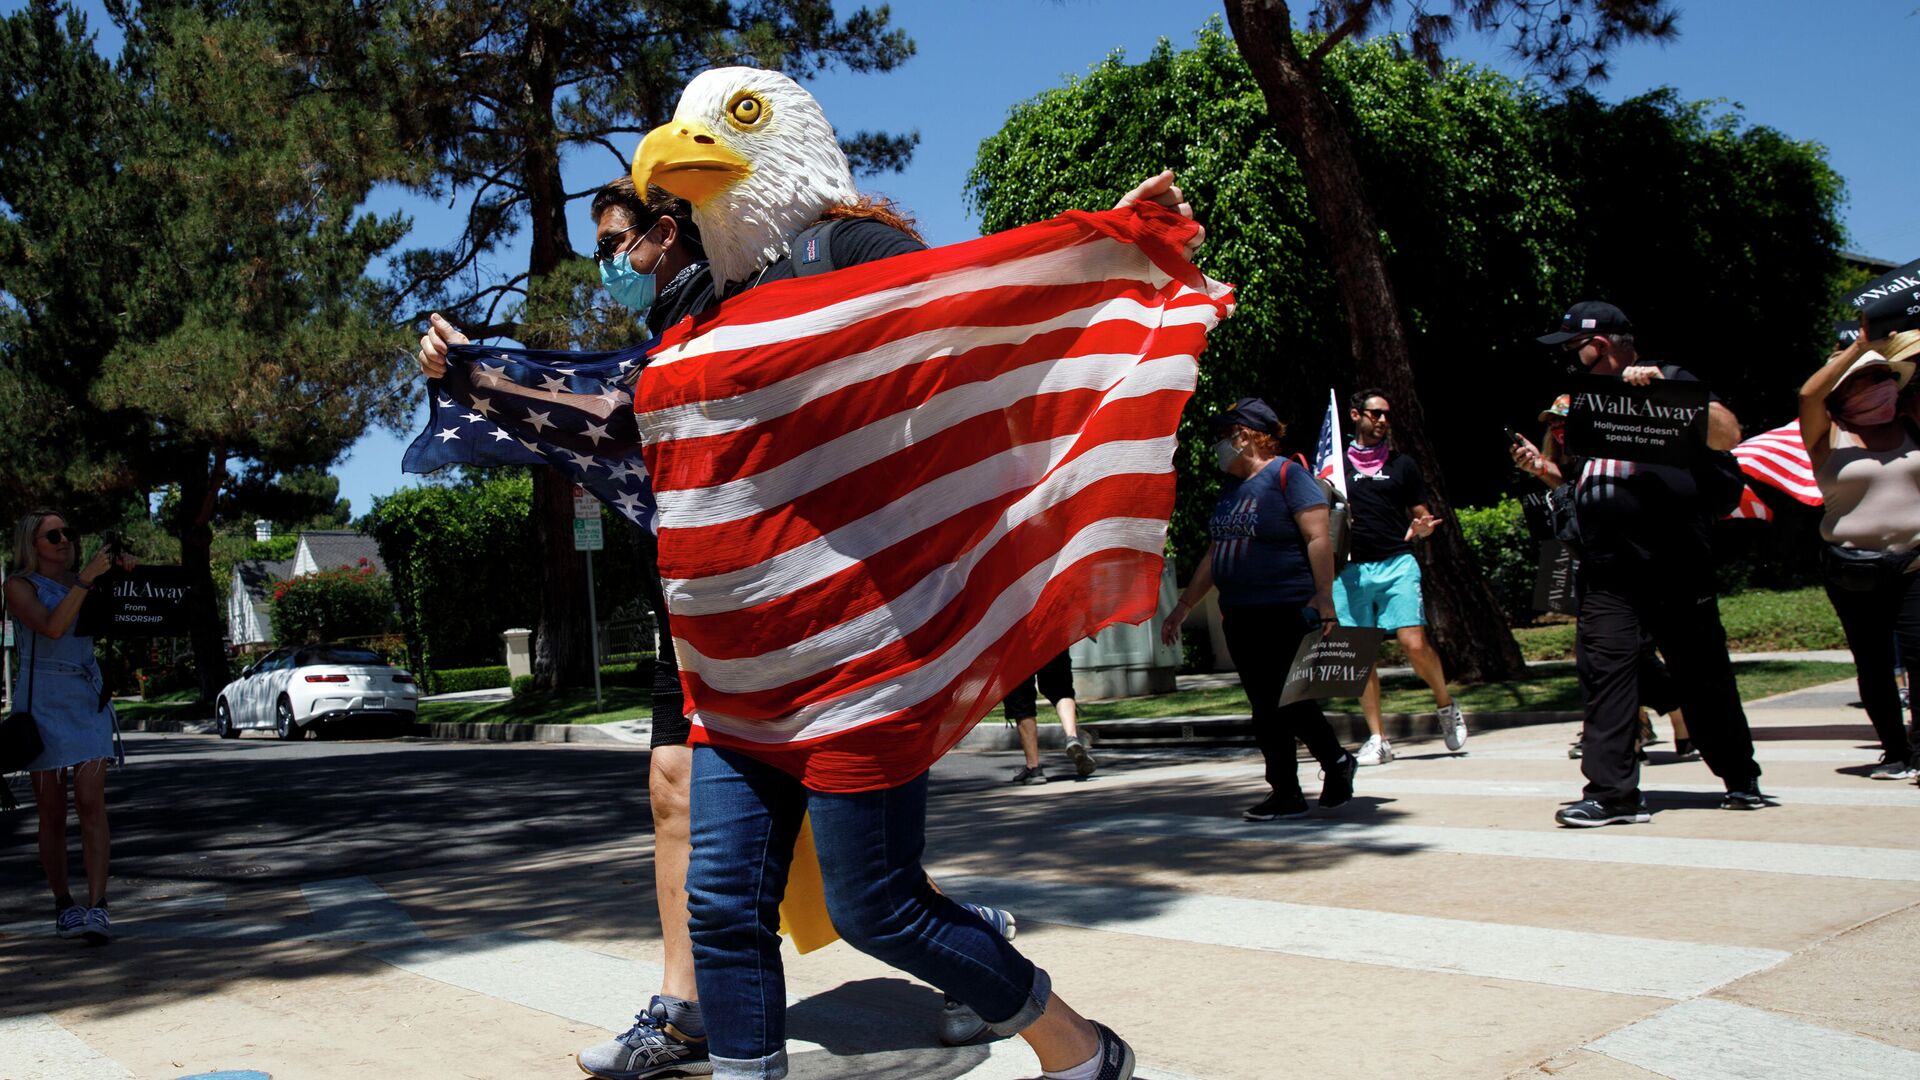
x,y
1835,72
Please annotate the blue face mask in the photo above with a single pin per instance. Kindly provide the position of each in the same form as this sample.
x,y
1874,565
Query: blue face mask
x,y
629,287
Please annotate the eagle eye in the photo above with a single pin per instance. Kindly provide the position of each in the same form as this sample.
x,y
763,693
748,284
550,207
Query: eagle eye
x,y
746,110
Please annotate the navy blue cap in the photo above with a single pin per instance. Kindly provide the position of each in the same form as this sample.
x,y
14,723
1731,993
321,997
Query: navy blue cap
x,y
1588,317
1248,412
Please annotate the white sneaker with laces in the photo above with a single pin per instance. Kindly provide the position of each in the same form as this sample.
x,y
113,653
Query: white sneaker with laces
x,y
1453,725
1375,751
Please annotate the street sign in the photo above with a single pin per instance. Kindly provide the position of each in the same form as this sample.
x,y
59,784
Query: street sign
x,y
584,505
588,535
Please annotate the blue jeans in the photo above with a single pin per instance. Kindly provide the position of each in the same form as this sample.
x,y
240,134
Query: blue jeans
x,y
745,816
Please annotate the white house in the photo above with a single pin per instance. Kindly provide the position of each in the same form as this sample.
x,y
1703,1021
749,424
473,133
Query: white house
x,y
248,621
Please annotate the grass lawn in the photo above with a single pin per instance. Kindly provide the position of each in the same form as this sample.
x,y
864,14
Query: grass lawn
x,y
562,707
1552,690
1756,620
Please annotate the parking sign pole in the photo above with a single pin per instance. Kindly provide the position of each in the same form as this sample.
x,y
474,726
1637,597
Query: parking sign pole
x,y
593,631
587,537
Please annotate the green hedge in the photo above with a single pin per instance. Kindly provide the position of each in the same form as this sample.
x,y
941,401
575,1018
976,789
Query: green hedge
x,y
456,680
1506,553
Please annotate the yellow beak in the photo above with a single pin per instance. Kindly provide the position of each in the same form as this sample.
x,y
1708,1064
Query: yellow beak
x,y
683,157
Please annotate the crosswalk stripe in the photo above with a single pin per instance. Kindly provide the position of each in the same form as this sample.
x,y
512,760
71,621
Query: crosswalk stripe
x,y
1611,963
1839,755
35,1047
1712,1040
1814,860
1901,795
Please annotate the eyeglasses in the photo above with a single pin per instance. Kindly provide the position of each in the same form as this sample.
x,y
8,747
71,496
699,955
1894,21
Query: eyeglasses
x,y
1377,414
60,536
607,248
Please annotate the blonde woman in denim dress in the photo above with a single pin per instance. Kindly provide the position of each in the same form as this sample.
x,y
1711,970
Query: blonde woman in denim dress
x,y
60,682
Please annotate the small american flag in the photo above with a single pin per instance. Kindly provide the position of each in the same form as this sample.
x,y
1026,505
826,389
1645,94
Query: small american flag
x,y
1751,507
1329,462
888,493
572,410
1779,458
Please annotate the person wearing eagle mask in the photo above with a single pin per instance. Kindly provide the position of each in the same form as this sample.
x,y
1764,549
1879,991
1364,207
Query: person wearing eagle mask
x,y
774,199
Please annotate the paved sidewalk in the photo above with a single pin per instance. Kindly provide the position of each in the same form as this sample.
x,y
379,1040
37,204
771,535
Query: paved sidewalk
x,y
1440,926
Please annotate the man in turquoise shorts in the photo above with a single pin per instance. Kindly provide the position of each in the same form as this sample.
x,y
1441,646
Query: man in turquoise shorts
x,y
1380,585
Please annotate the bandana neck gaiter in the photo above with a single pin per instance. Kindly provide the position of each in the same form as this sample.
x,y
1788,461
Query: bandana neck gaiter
x,y
1367,459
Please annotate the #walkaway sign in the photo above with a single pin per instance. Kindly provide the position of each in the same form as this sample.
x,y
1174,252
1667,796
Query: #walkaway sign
x,y
1891,302
1661,423
889,492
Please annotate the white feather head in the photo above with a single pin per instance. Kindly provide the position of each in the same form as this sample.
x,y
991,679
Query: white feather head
x,y
757,158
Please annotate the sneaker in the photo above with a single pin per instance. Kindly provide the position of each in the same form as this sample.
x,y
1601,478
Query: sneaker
x,y
1684,750
1743,797
1083,762
1893,768
1590,813
1277,805
1116,1057
99,928
1453,726
1375,751
71,922
651,1047
1337,786
1576,751
959,1025
1029,775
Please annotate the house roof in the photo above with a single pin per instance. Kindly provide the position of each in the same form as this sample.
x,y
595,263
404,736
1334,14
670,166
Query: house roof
x,y
256,575
334,548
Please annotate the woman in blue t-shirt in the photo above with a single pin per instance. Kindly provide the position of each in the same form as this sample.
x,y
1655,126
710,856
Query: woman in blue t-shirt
x,y
1272,560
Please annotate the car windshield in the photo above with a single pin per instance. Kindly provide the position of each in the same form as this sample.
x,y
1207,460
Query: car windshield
x,y
337,654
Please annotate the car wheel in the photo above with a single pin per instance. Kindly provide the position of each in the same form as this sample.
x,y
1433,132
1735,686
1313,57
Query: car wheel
x,y
283,724
223,720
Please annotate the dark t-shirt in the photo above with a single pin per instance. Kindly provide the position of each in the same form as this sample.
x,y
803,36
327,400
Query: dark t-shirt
x,y
1631,513
690,291
1381,505
1259,556
851,242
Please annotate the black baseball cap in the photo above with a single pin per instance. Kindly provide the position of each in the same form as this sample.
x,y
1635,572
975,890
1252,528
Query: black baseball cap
x,y
1248,412
1588,317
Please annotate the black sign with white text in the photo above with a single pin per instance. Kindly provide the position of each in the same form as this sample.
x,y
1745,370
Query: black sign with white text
x,y
1553,586
1661,423
1891,302
147,601
1332,662
1533,504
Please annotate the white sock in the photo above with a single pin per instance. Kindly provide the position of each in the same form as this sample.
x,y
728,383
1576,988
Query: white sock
x,y
1086,1070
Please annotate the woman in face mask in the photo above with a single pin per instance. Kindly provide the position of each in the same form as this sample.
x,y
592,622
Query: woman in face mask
x,y
1272,560
1866,458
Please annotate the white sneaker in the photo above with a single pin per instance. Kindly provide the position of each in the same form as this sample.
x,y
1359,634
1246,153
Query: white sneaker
x,y
1453,726
1375,751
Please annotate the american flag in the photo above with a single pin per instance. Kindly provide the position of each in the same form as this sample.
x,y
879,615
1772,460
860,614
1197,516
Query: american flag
x,y
1329,463
573,410
1779,458
889,492
1751,507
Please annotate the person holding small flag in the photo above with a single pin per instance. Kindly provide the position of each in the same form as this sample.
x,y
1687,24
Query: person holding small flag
x,y
1380,585
1272,560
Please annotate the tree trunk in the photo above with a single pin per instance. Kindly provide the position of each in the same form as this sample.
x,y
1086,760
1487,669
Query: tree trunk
x,y
562,653
193,524
1468,626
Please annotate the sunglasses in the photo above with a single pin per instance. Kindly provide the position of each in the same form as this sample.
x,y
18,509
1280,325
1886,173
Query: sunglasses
x,y
60,536
1576,344
1377,414
609,245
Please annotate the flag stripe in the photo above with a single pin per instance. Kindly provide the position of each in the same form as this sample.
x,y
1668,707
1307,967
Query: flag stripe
x,y
888,492
1779,459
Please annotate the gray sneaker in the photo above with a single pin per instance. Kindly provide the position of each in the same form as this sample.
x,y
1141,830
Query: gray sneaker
x,y
71,922
653,1046
1083,762
1029,775
1892,768
960,1025
1453,726
99,928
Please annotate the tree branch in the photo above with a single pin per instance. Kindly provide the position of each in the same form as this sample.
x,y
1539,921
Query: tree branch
x,y
1354,23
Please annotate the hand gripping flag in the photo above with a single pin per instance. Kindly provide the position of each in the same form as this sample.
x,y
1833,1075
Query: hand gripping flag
x,y
889,492
1779,458
1329,454
571,410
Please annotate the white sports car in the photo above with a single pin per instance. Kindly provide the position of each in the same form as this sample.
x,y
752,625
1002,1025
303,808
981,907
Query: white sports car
x,y
295,689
